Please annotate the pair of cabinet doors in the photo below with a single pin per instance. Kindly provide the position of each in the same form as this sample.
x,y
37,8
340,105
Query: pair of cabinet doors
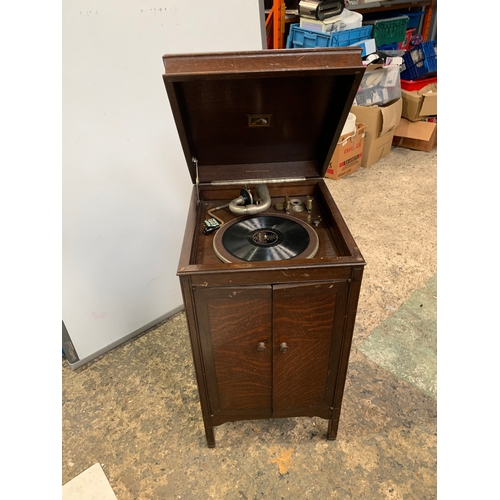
x,y
271,350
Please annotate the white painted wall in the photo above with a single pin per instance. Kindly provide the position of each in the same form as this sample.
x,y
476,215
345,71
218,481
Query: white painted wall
x,y
126,185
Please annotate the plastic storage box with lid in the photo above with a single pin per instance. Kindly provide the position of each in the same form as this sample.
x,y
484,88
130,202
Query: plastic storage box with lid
x,y
379,85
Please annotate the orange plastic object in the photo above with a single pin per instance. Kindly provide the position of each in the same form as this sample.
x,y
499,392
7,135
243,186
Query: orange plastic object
x,y
427,20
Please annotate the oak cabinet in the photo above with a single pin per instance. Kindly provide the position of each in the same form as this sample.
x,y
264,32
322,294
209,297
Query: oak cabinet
x,y
270,337
270,351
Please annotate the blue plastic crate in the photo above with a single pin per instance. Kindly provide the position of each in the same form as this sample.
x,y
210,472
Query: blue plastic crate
x,y
420,62
348,37
391,46
414,19
299,38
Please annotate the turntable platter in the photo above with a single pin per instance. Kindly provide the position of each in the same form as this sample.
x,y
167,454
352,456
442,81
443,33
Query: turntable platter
x,y
264,238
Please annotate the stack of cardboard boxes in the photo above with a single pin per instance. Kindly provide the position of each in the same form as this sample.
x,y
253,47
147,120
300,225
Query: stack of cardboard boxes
x,y
376,119
395,117
418,126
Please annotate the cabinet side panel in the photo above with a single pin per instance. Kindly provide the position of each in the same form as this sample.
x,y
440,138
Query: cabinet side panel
x,y
235,323
354,291
194,338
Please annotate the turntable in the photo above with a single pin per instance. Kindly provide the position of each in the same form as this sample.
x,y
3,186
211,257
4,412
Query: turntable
x,y
269,272
268,237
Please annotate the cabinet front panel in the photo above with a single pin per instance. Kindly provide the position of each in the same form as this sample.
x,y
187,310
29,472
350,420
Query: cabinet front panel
x,y
308,325
235,330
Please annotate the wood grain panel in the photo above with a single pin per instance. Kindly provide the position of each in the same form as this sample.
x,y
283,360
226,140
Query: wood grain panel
x,y
304,320
236,320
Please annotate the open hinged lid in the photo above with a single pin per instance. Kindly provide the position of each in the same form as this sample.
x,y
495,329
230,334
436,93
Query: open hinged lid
x,y
270,114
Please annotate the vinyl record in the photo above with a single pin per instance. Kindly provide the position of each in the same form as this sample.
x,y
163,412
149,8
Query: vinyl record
x,y
265,237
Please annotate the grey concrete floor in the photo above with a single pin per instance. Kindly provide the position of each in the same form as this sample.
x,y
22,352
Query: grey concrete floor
x,y
135,410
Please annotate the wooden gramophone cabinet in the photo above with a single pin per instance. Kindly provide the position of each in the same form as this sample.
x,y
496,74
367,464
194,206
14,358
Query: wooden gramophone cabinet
x,y
269,338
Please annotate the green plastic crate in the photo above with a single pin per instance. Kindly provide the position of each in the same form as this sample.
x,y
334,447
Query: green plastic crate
x,y
387,31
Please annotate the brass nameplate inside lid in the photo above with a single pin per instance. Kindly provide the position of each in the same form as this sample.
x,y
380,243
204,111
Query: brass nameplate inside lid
x,y
259,120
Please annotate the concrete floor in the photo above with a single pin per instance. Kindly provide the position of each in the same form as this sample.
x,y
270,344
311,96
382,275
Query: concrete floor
x,y
135,410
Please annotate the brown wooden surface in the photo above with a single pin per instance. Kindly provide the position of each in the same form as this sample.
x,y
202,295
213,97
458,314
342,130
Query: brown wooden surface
x,y
336,244
221,65
195,340
258,275
306,96
308,303
295,143
345,348
303,318
232,323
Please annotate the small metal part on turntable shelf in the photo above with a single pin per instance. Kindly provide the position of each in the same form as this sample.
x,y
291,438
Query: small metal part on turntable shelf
x,y
286,204
309,203
211,225
297,205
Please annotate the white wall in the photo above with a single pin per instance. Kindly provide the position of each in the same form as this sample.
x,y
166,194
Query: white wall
x,y
125,181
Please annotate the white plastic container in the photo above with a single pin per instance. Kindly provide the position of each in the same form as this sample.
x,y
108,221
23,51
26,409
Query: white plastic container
x,y
350,19
349,125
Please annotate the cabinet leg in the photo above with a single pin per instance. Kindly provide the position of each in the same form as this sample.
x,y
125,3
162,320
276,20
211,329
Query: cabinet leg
x,y
209,432
333,425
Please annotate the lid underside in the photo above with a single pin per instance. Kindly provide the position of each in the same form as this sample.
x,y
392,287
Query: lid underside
x,y
278,116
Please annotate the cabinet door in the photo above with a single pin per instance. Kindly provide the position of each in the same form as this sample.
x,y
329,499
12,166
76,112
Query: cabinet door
x,y
235,331
308,323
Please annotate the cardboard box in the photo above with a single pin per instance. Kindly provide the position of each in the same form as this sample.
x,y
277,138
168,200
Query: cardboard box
x,y
347,156
421,103
421,136
381,121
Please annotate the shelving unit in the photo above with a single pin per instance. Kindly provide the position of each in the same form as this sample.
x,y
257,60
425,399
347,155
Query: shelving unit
x,y
426,5
278,17
391,5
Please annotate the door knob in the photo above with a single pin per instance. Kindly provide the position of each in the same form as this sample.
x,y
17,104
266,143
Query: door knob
x,y
261,347
283,347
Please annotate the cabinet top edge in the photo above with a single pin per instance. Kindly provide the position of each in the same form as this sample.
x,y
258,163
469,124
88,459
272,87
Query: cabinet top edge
x,y
334,262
